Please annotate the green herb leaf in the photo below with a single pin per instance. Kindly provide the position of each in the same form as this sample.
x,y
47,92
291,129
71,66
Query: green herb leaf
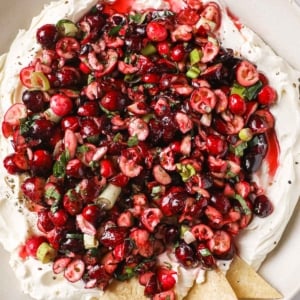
x,y
243,204
132,141
252,91
138,18
115,30
59,168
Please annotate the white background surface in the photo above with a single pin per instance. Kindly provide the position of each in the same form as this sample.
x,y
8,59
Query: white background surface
x,y
278,22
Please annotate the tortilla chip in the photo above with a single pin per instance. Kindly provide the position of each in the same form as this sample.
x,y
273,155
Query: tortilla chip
x,y
130,289
247,284
215,287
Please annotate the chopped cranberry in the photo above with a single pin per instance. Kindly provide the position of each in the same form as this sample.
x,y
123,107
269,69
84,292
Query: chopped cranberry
x,y
41,163
33,189
113,236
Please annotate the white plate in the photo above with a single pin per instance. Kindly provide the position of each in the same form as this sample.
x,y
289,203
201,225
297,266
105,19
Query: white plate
x,y
278,22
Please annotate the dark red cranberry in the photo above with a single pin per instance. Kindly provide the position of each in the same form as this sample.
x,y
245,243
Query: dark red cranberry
x,y
47,35
42,129
263,207
73,244
185,254
220,202
205,257
34,100
173,203
67,77
75,168
113,100
151,287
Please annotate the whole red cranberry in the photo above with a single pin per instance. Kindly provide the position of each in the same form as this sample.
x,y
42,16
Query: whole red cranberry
x,y
47,35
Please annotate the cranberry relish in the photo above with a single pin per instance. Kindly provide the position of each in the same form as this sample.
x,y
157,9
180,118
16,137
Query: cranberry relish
x,y
138,134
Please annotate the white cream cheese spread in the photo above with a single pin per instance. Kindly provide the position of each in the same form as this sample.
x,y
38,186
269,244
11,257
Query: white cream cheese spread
x,y
254,243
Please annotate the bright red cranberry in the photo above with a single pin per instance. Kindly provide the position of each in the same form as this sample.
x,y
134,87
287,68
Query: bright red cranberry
x,y
59,218
177,53
237,104
75,168
61,104
72,203
41,163
47,35
263,207
156,31
166,278
16,163
215,145
32,244
107,168
44,222
163,48
70,122
89,109
92,213
267,95
34,100
113,100
185,254
151,78
188,16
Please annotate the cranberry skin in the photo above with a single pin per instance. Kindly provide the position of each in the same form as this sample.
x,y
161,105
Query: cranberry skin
x,y
70,122
47,35
34,100
16,163
44,222
113,100
220,202
215,145
113,236
89,109
89,128
67,77
237,104
42,129
59,218
92,213
163,48
32,244
156,31
262,207
185,255
61,104
177,53
33,188
41,163
267,95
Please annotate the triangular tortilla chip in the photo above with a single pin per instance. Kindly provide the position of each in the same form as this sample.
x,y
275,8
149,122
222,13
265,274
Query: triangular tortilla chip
x,y
130,289
247,284
215,287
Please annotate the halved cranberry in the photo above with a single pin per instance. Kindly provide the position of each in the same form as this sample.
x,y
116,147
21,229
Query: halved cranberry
x,y
113,236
